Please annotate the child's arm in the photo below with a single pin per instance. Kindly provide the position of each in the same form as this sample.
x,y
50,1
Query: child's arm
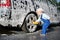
x,y
37,21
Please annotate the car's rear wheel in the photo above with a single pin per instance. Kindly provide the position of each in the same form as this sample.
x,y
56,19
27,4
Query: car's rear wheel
x,y
28,25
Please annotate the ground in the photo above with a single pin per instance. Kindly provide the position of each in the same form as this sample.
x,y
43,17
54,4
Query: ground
x,y
13,34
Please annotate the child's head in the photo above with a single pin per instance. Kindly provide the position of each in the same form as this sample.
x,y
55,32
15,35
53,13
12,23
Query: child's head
x,y
39,11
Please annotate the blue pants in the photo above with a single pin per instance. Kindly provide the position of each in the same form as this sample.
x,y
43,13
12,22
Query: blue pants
x,y
45,26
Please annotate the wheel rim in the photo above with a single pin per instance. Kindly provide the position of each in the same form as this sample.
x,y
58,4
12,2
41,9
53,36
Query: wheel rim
x,y
31,27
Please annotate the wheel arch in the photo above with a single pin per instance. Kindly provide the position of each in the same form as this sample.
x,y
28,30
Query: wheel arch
x,y
31,13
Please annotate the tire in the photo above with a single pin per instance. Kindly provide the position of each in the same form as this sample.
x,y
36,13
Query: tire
x,y
28,26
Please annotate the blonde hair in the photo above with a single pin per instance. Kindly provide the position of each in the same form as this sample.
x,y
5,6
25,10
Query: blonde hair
x,y
40,9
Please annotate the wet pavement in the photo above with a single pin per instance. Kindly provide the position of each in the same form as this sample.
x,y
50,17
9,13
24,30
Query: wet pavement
x,y
12,34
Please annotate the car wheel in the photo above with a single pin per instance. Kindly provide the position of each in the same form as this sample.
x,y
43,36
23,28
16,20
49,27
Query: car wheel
x,y
29,26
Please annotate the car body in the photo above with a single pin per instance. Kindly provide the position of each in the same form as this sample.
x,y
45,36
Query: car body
x,y
14,12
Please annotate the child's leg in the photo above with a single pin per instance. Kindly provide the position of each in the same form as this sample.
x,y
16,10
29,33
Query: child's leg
x,y
44,27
